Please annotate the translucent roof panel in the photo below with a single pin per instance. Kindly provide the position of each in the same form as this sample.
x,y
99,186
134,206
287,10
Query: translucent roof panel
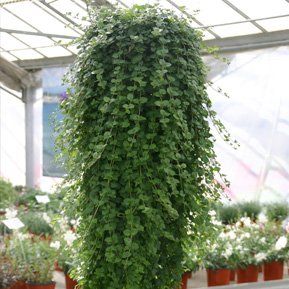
x,y
39,18
210,12
236,30
261,8
26,54
8,42
275,24
55,51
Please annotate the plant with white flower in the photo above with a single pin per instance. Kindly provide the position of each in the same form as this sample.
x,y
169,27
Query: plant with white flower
x,y
70,237
281,243
46,218
262,218
10,213
56,245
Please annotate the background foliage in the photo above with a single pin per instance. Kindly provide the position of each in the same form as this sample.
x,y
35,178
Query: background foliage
x,y
138,148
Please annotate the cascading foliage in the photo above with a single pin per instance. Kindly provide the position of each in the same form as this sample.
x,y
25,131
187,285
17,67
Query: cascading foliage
x,y
138,148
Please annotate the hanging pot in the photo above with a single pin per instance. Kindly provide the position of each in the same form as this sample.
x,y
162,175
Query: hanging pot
x,y
248,274
50,285
218,277
273,270
69,283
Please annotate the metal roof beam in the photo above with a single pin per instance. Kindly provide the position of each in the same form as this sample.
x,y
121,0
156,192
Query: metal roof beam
x,y
37,33
192,17
244,15
250,42
13,76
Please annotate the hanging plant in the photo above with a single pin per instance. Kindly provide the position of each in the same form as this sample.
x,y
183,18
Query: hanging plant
x,y
138,148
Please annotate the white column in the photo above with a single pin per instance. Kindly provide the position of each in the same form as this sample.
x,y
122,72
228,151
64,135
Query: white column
x,y
33,96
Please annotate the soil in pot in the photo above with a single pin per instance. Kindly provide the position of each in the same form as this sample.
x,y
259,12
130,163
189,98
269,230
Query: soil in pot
x,y
248,275
40,286
273,270
218,277
69,283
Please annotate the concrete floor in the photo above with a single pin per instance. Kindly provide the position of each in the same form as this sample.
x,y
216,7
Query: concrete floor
x,y
199,280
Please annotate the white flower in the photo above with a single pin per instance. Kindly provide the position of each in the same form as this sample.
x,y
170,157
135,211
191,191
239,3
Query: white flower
x,y
262,218
10,213
232,235
55,245
260,257
212,213
263,240
247,235
228,252
216,222
246,221
22,236
69,237
281,243
46,218
223,235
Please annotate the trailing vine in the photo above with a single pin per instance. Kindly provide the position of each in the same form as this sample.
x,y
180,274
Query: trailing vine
x,y
138,149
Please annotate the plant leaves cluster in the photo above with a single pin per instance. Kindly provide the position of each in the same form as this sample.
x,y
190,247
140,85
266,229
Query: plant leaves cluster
x,y
137,146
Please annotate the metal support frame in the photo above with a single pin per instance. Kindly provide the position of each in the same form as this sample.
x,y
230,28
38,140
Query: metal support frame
x,y
250,42
231,5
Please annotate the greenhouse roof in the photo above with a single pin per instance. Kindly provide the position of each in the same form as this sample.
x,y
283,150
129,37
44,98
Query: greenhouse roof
x,y
34,33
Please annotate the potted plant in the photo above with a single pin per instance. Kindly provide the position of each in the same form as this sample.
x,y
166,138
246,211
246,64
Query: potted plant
x,y
218,260
36,225
7,274
228,214
248,253
277,212
7,195
40,259
16,247
276,250
250,209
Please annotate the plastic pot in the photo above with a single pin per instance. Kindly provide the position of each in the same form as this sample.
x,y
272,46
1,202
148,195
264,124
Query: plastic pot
x,y
273,270
40,286
248,274
69,283
185,277
19,285
232,275
218,277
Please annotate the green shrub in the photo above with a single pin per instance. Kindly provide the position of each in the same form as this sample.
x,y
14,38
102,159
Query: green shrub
x,y
277,211
138,148
35,224
7,194
228,214
250,209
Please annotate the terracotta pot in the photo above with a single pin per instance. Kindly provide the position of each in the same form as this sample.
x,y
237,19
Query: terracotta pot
x,y
185,277
19,285
40,286
56,267
232,275
248,275
218,277
273,270
69,283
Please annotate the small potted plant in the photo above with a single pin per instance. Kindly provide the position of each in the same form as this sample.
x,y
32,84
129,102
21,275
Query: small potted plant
x,y
40,259
16,247
277,212
7,274
218,260
250,209
276,250
248,254
36,225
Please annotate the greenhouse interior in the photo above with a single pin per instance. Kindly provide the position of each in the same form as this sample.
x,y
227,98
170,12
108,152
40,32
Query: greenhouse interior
x,y
144,144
